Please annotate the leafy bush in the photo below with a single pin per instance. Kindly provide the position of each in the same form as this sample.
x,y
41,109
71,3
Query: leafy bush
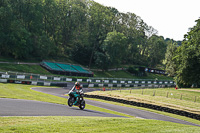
x,y
132,70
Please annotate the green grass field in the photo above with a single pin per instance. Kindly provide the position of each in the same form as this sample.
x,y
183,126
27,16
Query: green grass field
x,y
163,97
90,125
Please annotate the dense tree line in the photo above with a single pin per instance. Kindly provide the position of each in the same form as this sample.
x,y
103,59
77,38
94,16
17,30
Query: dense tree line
x,y
81,30
183,62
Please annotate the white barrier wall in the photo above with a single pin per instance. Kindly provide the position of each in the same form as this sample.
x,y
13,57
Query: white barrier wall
x,y
56,78
79,80
5,76
34,83
47,84
3,80
114,81
100,85
119,85
21,76
89,80
68,79
91,85
43,77
98,81
106,81
110,85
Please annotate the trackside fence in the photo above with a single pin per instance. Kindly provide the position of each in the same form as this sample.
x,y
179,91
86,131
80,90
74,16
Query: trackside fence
x,y
167,93
89,82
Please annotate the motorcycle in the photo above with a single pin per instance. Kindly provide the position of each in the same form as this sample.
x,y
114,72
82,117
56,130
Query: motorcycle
x,y
72,99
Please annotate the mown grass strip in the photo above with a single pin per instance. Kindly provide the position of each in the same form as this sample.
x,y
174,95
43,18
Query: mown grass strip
x,y
90,125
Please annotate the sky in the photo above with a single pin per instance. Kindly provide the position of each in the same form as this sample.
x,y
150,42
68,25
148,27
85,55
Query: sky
x,y
171,18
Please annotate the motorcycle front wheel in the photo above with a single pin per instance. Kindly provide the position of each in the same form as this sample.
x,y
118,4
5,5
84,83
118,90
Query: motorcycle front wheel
x,y
82,105
70,102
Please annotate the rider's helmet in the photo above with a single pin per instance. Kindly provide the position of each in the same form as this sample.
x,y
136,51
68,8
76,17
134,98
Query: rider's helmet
x,y
77,85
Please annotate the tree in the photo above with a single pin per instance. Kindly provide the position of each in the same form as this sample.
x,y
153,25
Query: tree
x,y
79,30
169,59
102,60
128,24
188,58
156,50
100,23
115,47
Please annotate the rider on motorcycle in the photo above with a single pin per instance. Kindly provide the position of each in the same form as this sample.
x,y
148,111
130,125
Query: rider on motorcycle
x,y
76,90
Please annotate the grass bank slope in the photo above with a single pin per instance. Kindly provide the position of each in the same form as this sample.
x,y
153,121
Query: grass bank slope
x,y
125,74
36,69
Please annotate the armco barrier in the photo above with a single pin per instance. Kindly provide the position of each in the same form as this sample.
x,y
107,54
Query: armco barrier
x,y
105,81
127,85
145,105
64,84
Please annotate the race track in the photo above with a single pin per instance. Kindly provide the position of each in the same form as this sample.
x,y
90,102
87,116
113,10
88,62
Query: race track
x,y
18,107
14,107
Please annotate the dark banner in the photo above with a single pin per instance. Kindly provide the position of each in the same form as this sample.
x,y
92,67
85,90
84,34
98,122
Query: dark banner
x,y
151,70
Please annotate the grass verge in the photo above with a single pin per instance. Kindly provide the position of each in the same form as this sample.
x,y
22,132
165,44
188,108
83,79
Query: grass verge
x,y
151,110
90,125
157,97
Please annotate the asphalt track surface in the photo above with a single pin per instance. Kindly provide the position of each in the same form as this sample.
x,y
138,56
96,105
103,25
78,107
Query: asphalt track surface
x,y
18,107
15,107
